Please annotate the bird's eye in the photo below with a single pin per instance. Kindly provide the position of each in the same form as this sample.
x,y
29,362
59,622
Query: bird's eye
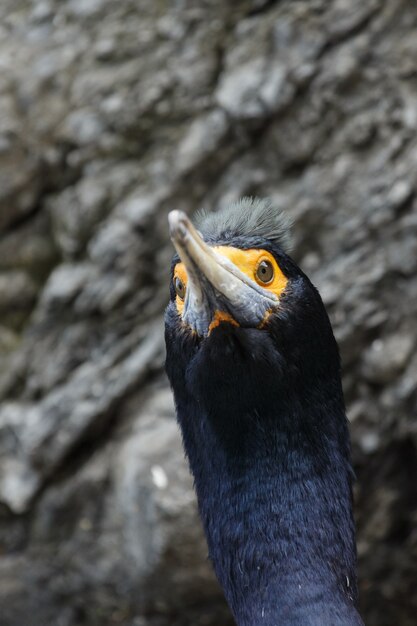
x,y
265,272
179,288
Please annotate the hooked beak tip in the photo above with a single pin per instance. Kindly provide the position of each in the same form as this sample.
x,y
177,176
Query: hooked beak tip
x,y
178,226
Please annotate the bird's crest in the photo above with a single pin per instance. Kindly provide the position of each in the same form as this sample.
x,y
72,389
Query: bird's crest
x,y
249,217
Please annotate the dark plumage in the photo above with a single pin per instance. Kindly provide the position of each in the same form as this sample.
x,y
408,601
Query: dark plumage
x,y
264,427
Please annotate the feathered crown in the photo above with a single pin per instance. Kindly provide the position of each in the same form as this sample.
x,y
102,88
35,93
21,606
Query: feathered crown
x,y
250,217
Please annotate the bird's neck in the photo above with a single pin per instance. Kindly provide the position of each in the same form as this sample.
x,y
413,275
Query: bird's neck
x,y
275,500
265,431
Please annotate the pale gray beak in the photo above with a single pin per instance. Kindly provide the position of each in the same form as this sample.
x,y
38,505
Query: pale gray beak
x,y
215,284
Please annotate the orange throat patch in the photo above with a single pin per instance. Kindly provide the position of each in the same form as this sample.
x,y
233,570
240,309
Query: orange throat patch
x,y
219,318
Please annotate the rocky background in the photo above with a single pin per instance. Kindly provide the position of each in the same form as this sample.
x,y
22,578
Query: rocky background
x,y
111,114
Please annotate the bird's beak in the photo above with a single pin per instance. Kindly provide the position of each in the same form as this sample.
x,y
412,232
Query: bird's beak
x,y
216,289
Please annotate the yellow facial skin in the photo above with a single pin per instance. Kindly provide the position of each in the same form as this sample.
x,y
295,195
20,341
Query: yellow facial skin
x,y
181,273
248,262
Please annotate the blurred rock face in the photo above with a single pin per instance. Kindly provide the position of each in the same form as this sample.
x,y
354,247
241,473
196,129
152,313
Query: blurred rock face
x,y
112,113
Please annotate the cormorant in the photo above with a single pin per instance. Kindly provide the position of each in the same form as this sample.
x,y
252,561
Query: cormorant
x,y
255,371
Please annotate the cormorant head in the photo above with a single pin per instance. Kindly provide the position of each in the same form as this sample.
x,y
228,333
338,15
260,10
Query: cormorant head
x,y
231,269
234,287
236,280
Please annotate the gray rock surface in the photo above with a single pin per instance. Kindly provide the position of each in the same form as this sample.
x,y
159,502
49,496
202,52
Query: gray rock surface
x,y
111,114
